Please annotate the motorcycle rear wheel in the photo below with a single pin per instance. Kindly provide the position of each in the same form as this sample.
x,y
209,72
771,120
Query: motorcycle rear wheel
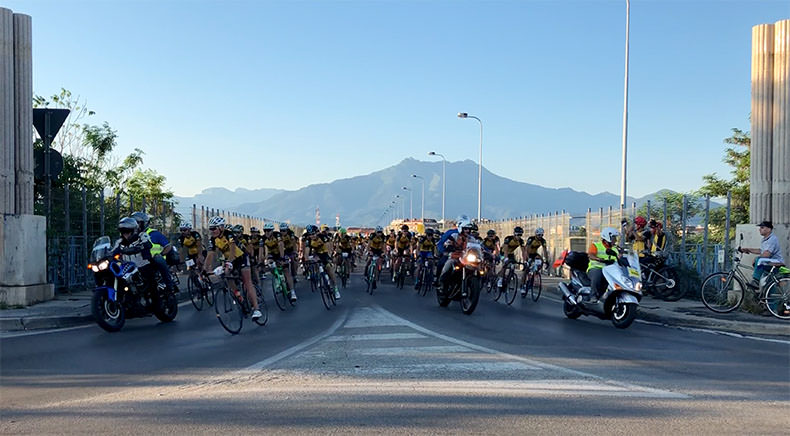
x,y
571,310
166,308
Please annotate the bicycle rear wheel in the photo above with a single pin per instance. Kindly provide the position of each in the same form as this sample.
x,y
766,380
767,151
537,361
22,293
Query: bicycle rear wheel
x,y
228,310
537,286
427,280
511,288
777,298
208,292
323,289
722,292
195,292
279,296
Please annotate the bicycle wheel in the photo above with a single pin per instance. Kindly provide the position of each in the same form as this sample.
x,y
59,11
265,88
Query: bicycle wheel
x,y
279,297
777,298
261,306
208,292
510,289
228,310
674,292
195,292
323,289
331,291
370,277
537,286
722,292
427,280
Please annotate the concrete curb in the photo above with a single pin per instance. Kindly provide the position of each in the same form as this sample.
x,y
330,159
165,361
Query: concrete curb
x,y
671,318
54,322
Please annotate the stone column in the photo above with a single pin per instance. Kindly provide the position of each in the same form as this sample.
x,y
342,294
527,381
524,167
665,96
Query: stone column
x,y
762,122
7,110
780,180
23,113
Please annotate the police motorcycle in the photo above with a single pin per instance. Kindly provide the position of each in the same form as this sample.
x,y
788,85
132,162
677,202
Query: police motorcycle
x,y
122,293
466,278
620,300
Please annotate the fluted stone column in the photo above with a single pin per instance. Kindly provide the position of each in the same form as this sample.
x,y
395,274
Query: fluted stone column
x,y
762,122
23,113
780,185
6,112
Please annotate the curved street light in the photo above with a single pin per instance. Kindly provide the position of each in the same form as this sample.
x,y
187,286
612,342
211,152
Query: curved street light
x,y
480,165
422,210
411,211
444,164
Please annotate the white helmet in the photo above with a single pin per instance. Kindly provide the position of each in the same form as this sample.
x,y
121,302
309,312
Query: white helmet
x,y
464,223
460,219
185,226
539,231
216,221
283,226
268,226
609,234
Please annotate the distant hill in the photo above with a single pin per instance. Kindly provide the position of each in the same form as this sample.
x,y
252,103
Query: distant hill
x,y
222,198
361,200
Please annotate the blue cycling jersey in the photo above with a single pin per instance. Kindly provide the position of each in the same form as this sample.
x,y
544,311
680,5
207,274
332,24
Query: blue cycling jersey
x,y
444,238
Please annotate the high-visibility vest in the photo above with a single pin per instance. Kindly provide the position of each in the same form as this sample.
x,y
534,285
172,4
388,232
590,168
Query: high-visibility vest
x,y
602,255
659,241
155,248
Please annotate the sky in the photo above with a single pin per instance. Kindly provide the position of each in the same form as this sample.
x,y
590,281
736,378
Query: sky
x,y
283,94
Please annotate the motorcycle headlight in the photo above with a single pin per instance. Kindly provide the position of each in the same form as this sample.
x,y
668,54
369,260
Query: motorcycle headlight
x,y
103,265
95,268
638,286
471,258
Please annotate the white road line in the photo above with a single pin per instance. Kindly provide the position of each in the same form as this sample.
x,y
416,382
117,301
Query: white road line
x,y
547,366
375,337
43,332
411,351
445,367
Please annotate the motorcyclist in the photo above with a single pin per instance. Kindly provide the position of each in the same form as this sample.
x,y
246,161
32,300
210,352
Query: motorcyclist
x,y
455,244
135,247
601,254
440,247
161,246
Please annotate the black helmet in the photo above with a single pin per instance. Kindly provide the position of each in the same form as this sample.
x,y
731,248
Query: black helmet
x,y
405,228
311,229
518,231
142,219
491,232
428,232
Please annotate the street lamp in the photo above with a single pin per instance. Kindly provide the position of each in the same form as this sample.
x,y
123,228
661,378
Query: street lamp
x,y
411,211
422,211
444,164
480,166
625,110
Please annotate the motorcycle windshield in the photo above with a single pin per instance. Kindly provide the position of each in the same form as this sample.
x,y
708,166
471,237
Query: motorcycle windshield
x,y
101,248
634,269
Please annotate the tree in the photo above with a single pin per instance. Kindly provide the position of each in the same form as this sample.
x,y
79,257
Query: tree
x,y
738,157
674,202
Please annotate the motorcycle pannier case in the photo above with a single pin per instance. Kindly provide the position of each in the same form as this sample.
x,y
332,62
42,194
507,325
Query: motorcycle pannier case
x,y
577,260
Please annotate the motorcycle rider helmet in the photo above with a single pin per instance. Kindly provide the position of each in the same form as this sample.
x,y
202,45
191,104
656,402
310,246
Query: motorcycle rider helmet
x,y
609,234
184,226
539,231
142,219
460,219
465,225
518,231
491,232
283,227
217,221
640,221
126,225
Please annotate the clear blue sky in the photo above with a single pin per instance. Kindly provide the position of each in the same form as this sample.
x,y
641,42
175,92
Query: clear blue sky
x,y
282,94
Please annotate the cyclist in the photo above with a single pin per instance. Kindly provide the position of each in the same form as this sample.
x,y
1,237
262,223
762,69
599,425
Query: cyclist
x,y
344,244
319,245
402,245
272,247
639,236
426,249
769,253
601,254
161,246
391,238
222,242
491,246
376,243
290,247
192,242
509,247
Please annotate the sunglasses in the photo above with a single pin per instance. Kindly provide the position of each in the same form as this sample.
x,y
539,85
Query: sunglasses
x,y
213,228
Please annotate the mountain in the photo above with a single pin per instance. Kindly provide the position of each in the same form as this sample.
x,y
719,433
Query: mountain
x,y
221,198
362,200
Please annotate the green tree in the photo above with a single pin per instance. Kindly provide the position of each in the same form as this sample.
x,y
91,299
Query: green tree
x,y
738,157
674,202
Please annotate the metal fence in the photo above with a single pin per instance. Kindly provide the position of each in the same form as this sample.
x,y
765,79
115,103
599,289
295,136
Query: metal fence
x,y
79,216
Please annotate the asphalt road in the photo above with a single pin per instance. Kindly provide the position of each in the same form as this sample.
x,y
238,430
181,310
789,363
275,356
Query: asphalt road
x,y
393,362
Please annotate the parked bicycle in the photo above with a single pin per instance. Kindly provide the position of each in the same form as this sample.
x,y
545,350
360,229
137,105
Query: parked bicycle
x,y
232,307
660,279
723,292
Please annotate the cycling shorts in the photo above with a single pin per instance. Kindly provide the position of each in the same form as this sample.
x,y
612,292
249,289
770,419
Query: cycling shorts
x,y
241,262
424,255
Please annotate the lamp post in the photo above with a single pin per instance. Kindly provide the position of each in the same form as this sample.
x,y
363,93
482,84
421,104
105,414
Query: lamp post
x,y
444,164
411,210
625,110
422,208
480,160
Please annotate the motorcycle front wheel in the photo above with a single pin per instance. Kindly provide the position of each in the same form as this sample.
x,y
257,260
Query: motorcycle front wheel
x,y
469,301
623,314
108,314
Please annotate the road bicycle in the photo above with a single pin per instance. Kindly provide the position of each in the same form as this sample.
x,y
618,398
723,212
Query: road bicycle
x,y
280,286
533,282
403,267
319,281
425,276
232,307
660,279
372,274
723,292
199,287
343,270
509,287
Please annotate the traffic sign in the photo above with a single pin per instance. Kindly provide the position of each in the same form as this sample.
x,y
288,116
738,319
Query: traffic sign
x,y
56,119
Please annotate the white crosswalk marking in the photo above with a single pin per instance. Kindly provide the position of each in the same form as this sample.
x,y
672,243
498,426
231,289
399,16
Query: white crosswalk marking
x,y
375,350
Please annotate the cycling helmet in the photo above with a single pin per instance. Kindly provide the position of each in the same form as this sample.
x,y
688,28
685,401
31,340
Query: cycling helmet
x,y
238,229
185,226
311,229
609,234
518,231
324,227
142,219
539,231
428,232
491,232
283,226
379,229
405,228
127,224
216,221
653,223
342,230
640,221
254,229
268,227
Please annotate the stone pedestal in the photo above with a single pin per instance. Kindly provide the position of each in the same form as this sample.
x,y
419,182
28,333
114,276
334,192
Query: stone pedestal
x,y
23,278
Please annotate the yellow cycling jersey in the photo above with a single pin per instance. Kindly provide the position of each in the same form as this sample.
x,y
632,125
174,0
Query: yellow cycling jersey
x,y
272,244
426,244
317,244
344,243
534,243
191,242
512,242
491,243
225,243
403,240
376,241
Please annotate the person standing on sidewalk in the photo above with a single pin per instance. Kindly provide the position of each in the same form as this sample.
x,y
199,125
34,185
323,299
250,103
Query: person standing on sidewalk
x,y
769,253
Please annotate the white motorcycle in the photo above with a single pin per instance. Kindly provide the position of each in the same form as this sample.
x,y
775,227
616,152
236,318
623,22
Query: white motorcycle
x,y
620,301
